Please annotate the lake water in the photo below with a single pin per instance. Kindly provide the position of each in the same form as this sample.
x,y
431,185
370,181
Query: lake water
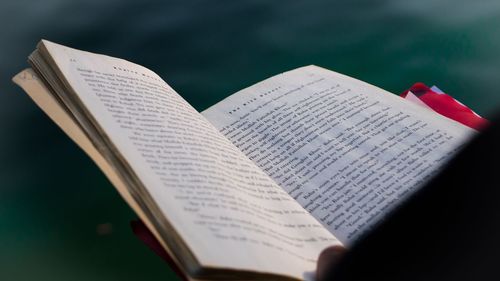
x,y
55,204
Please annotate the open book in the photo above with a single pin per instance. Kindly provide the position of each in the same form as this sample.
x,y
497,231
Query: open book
x,y
256,186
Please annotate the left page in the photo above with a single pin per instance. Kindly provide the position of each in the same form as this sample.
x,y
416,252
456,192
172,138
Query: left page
x,y
220,205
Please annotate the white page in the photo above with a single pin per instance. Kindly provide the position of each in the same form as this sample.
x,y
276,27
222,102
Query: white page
x,y
226,209
347,151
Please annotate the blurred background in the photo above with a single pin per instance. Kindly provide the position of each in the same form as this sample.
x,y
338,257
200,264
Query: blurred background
x,y
60,219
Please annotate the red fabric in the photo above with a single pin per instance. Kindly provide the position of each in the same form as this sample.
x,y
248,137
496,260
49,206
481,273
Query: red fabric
x,y
142,232
447,106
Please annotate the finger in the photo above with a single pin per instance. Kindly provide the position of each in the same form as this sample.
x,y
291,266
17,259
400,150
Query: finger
x,y
327,260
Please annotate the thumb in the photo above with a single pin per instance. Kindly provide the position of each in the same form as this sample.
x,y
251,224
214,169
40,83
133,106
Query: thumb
x,y
327,260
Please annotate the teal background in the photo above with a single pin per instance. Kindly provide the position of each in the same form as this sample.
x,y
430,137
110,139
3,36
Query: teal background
x,y
52,197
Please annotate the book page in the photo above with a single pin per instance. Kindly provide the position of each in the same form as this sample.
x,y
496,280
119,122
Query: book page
x,y
229,212
347,151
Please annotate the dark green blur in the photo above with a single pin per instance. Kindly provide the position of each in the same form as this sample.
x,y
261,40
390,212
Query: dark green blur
x,y
53,198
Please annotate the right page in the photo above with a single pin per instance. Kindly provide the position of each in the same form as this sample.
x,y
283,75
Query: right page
x,y
347,151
